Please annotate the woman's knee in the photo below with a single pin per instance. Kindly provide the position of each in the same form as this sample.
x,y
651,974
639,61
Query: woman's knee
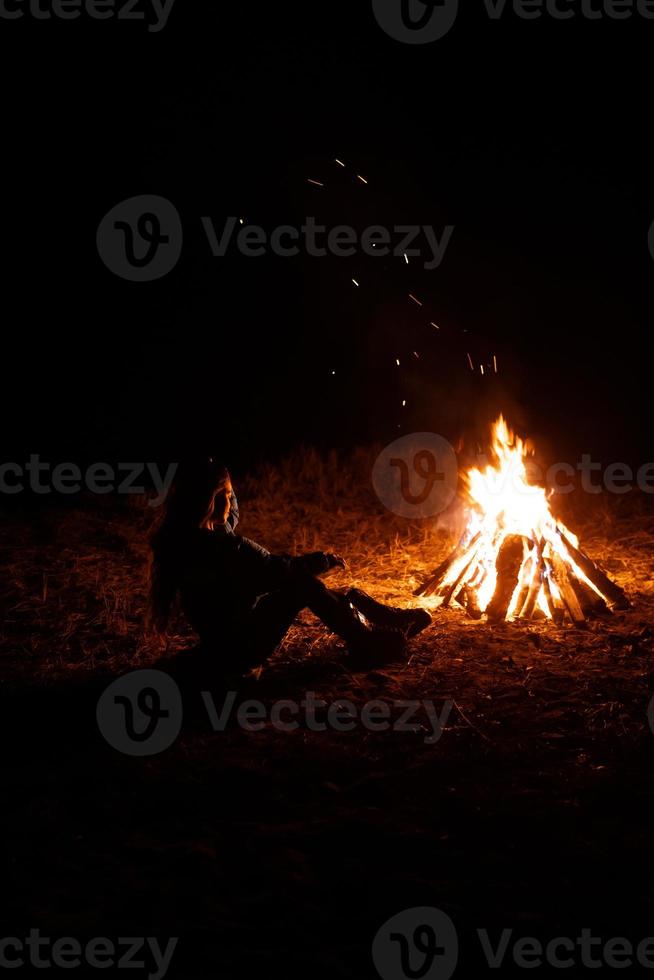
x,y
306,588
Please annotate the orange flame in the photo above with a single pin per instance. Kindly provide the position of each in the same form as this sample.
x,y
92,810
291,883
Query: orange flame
x,y
504,502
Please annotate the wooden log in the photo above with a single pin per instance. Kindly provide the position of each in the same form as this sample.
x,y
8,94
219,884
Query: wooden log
x,y
567,592
472,604
508,564
591,603
467,598
555,604
529,605
434,580
451,589
614,594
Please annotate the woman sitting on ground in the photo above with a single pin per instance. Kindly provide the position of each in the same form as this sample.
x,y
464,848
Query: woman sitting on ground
x,y
240,599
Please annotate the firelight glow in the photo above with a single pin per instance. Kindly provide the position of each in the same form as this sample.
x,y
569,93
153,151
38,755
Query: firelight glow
x,y
503,505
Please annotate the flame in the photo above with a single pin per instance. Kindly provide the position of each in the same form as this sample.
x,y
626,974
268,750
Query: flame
x,y
503,502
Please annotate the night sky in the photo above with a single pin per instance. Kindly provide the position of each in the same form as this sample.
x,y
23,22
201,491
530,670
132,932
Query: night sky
x,y
531,138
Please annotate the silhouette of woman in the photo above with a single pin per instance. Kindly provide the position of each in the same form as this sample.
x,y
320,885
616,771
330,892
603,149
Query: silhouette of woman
x,y
240,599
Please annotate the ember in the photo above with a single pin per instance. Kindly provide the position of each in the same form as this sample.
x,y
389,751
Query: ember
x,y
515,559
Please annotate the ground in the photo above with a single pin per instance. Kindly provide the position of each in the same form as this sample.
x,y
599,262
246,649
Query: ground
x,y
286,851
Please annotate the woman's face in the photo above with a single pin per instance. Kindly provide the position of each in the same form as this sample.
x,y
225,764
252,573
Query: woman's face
x,y
221,504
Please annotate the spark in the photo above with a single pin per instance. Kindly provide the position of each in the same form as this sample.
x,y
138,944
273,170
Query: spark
x,y
340,162
416,301
404,403
416,355
242,221
362,179
397,361
481,368
472,367
316,182
355,282
434,325
406,258
495,363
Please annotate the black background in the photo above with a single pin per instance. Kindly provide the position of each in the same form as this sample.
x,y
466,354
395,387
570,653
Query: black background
x,y
532,138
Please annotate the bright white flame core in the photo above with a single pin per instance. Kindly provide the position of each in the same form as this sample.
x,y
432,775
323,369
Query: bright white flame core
x,y
504,503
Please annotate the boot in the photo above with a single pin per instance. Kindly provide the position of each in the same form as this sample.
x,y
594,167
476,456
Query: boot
x,y
410,621
369,646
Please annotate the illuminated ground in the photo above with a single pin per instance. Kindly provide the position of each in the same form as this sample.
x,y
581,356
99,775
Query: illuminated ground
x,y
534,810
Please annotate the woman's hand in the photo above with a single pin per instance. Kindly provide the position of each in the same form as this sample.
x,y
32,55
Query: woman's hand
x,y
335,561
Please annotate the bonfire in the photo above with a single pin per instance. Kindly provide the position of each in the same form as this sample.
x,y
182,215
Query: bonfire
x,y
516,560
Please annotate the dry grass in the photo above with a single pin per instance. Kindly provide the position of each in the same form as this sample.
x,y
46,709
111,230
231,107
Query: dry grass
x,y
514,819
74,581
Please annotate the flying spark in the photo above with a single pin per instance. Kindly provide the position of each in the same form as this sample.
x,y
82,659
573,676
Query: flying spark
x,y
362,179
355,282
416,301
316,182
340,162
472,367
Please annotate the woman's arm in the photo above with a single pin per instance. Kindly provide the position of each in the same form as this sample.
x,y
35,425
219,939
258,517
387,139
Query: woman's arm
x,y
264,572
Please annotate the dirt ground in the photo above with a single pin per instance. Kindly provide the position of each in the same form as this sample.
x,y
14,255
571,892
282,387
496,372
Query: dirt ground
x,y
285,852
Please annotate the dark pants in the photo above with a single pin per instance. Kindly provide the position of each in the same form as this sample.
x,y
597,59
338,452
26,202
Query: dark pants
x,y
270,620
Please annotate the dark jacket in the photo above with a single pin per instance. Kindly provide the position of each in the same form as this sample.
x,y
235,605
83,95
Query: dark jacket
x,y
223,575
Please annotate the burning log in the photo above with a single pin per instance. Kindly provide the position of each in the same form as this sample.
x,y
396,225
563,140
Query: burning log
x,y
433,582
447,598
471,604
591,603
568,594
552,599
602,582
528,607
515,560
508,564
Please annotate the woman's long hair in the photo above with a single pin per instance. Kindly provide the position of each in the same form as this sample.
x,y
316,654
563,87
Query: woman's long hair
x,y
188,505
